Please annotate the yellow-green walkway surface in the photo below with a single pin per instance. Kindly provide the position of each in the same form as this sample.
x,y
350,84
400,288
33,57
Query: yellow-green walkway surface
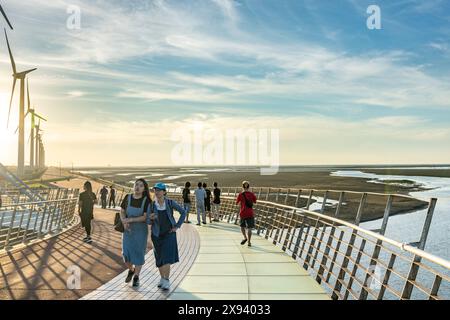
x,y
224,269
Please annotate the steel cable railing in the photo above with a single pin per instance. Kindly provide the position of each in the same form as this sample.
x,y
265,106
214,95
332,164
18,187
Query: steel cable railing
x,y
349,261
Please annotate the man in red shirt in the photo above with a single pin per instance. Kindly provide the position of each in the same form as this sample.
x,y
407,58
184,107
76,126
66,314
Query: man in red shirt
x,y
246,198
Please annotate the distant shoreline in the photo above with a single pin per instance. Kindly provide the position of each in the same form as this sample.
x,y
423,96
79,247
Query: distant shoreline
x,y
318,180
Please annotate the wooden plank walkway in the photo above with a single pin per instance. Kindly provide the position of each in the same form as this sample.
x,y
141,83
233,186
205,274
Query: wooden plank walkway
x,y
117,289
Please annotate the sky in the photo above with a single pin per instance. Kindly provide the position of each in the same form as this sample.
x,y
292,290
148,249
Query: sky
x,y
119,89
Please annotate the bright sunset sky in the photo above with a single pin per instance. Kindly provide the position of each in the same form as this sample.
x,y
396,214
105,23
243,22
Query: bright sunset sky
x,y
115,90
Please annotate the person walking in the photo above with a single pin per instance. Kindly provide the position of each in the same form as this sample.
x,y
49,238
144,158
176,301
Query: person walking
x,y
112,197
135,214
187,200
216,203
200,196
164,237
86,203
207,201
247,199
104,196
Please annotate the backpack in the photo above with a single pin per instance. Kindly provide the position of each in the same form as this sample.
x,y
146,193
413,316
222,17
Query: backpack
x,y
248,203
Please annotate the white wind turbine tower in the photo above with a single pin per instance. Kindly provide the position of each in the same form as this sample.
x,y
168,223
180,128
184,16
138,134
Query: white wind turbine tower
x,y
33,162
19,76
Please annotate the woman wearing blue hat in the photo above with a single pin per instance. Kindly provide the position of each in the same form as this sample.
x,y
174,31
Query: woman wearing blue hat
x,y
164,235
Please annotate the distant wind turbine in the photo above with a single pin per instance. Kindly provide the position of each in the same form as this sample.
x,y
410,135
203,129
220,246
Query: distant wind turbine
x,y
6,17
19,76
34,115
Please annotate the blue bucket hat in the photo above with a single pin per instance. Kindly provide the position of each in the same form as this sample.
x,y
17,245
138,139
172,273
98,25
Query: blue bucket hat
x,y
160,186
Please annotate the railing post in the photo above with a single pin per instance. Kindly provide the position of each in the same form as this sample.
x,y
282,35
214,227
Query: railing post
x,y
435,289
289,231
278,195
24,239
427,224
414,269
324,202
309,199
336,252
377,249
355,268
311,245
267,195
298,197
42,221
287,196
339,206
11,225
325,255
361,208
387,275
299,239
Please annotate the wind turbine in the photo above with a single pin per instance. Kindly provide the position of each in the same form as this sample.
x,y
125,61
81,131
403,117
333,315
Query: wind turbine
x,y
39,145
34,115
6,18
19,76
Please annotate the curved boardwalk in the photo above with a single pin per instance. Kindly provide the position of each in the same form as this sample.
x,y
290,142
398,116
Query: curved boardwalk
x,y
39,271
226,270
213,265
117,289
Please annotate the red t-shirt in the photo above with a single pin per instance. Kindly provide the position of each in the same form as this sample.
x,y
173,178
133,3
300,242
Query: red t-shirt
x,y
246,212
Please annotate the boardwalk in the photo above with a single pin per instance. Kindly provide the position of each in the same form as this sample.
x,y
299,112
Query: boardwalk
x,y
215,266
39,270
226,270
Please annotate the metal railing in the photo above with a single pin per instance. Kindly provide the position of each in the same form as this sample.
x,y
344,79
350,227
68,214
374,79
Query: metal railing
x,y
27,221
12,196
348,261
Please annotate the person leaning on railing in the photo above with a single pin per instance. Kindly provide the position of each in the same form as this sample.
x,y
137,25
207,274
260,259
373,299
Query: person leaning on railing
x,y
246,198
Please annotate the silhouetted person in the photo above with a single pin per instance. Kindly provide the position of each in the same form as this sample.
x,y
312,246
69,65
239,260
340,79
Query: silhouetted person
x,y
112,197
104,196
187,200
207,201
86,209
216,203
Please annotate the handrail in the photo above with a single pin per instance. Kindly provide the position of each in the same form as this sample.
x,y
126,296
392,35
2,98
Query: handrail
x,y
400,195
342,256
403,246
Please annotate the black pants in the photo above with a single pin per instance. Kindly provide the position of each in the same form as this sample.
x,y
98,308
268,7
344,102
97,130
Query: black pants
x,y
103,203
113,201
86,222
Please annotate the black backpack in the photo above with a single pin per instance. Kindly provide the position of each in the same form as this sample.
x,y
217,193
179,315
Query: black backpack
x,y
248,202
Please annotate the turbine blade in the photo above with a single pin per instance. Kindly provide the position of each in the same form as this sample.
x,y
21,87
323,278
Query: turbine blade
x,y
10,54
28,96
10,102
28,71
6,17
40,117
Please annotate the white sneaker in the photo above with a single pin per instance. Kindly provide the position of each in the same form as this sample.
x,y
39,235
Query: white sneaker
x,y
161,281
166,284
